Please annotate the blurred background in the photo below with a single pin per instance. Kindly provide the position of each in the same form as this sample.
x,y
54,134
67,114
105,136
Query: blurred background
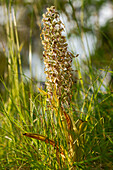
x,y
88,29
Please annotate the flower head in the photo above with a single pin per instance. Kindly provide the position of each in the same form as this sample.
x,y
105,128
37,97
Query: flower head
x,y
57,58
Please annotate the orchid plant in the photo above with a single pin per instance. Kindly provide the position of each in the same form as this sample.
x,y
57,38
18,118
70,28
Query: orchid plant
x,y
58,68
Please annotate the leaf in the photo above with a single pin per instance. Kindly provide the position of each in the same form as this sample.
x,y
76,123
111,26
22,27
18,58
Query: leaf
x,y
21,46
79,124
42,92
45,139
68,119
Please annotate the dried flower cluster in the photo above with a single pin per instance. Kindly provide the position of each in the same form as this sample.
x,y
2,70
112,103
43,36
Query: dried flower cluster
x,y
57,59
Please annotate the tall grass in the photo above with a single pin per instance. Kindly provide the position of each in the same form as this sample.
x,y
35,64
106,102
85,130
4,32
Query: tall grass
x,y
23,111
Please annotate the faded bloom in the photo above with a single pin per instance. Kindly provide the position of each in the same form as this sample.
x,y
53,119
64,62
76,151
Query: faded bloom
x,y
57,58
